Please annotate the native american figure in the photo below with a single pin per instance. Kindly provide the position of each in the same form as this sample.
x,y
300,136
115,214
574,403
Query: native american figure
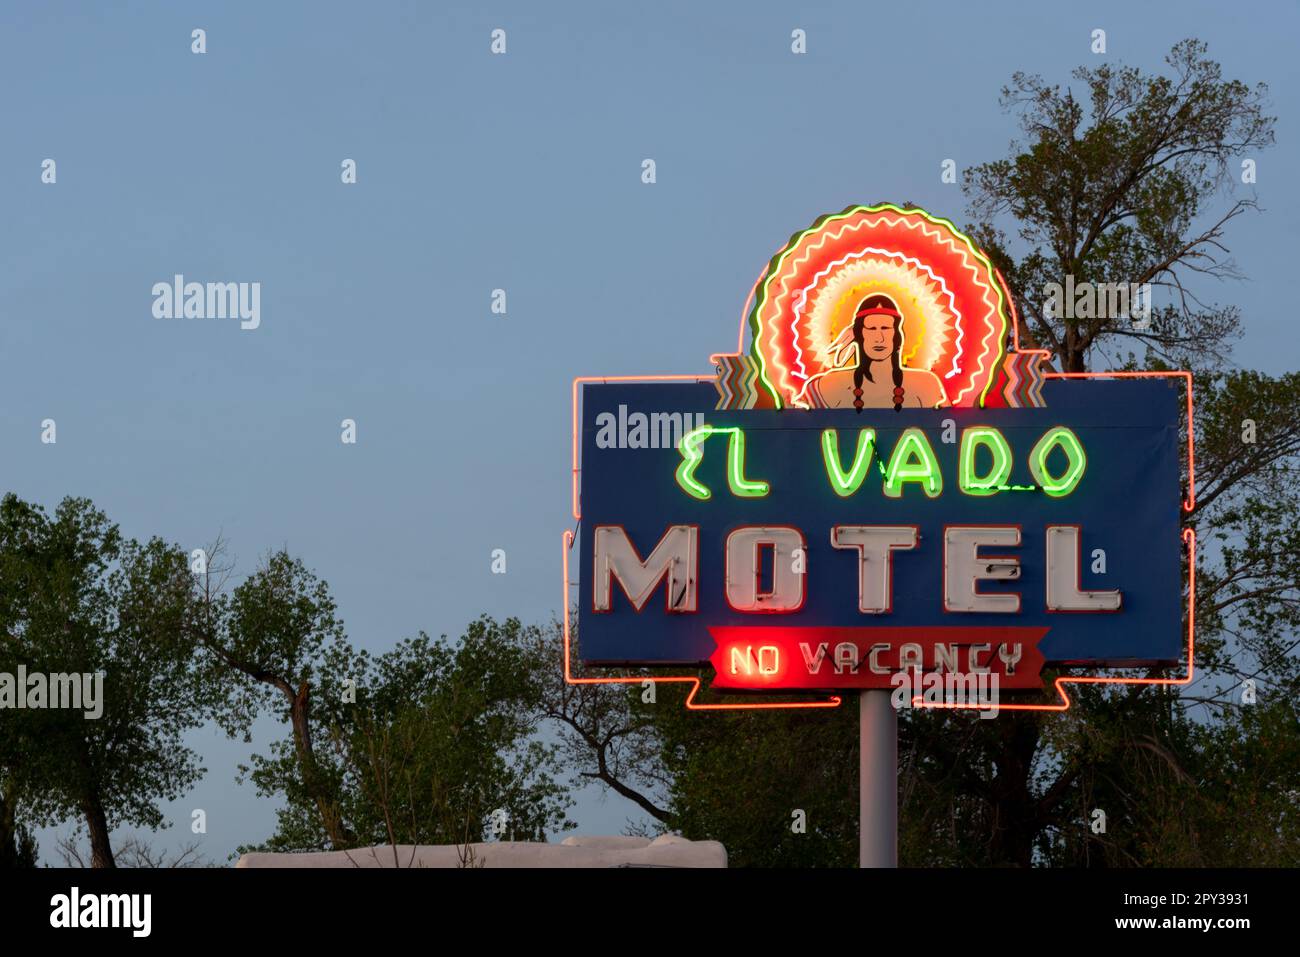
x,y
867,369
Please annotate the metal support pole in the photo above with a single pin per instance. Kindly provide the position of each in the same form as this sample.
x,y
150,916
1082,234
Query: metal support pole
x,y
877,779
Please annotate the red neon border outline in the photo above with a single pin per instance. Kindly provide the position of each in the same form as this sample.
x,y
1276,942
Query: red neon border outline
x,y
834,701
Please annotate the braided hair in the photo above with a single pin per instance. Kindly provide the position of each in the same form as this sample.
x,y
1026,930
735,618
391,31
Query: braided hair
x,y
877,305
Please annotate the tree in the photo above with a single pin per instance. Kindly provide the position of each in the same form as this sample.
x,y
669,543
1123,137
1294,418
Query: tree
x,y
604,737
439,744
776,788
135,852
1113,186
278,635
76,597
17,843
443,745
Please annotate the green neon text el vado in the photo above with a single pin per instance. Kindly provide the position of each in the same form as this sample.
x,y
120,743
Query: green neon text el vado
x,y
846,484
1077,460
912,460
693,454
995,480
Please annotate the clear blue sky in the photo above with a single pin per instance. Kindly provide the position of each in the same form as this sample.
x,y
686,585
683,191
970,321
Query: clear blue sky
x,y
475,172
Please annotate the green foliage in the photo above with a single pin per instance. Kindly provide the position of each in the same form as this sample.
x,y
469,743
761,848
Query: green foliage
x,y
739,777
78,597
17,843
421,744
278,629
1250,787
1113,186
442,735
1247,515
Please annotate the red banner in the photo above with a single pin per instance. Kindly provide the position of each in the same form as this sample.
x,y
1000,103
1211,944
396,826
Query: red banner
x,y
762,657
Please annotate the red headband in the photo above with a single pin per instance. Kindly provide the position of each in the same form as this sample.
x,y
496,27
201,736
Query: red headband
x,y
878,311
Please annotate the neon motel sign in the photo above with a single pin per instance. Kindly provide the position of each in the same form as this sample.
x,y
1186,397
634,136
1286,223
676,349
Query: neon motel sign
x,y
883,481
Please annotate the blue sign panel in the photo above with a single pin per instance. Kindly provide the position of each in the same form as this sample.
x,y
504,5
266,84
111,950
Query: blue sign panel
x,y
1114,495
